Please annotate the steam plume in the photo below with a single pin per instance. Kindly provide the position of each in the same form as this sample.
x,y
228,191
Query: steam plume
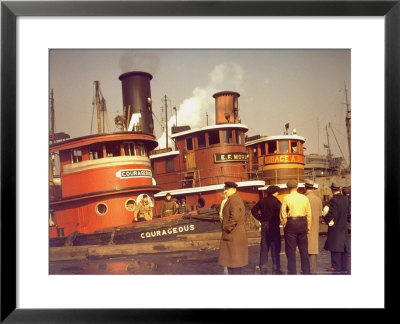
x,y
139,61
192,111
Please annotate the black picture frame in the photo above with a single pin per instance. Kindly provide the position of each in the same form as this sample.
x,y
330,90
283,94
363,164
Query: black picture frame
x,y
10,10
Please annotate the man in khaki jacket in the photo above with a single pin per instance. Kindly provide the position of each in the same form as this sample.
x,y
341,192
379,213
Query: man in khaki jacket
x,y
233,250
144,210
296,220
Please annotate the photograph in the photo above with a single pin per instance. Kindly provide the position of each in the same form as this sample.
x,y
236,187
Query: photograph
x,y
154,156
199,161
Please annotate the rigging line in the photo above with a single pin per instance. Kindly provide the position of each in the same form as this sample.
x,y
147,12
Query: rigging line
x,y
156,118
338,131
337,143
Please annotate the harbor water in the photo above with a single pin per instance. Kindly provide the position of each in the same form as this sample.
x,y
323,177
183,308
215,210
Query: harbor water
x,y
182,263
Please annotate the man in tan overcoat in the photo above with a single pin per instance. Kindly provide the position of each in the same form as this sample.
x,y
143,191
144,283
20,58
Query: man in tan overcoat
x,y
313,235
233,250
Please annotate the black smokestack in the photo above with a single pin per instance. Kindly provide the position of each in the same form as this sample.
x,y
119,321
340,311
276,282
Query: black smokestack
x,y
136,98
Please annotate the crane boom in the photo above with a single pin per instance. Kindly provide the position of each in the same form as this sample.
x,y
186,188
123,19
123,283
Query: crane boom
x,y
99,104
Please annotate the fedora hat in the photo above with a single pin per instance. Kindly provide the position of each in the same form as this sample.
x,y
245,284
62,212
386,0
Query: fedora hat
x,y
335,186
230,184
309,183
272,189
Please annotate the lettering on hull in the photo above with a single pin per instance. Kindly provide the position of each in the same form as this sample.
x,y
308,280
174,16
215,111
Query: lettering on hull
x,y
169,231
226,157
133,173
284,159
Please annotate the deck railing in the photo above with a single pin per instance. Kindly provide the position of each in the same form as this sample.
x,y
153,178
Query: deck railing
x,y
251,172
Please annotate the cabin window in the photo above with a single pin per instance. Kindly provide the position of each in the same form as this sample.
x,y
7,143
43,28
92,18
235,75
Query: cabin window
x,y
169,165
239,138
141,149
101,209
76,156
271,147
189,144
227,136
130,205
113,149
95,152
213,137
293,146
129,149
262,148
283,147
201,140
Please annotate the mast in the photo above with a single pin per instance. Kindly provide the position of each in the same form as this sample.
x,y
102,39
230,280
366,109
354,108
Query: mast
x,y
51,183
166,121
328,146
52,127
101,109
348,124
317,135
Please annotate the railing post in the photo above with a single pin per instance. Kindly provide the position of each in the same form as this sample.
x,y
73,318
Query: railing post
x,y
199,176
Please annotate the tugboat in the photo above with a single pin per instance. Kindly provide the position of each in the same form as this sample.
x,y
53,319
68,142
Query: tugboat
x,y
277,159
104,176
204,158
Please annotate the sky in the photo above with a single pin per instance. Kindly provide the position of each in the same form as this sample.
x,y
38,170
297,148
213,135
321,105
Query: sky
x,y
305,88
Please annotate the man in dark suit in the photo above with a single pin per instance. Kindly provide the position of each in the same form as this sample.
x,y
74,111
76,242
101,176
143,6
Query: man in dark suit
x,y
338,238
267,210
233,250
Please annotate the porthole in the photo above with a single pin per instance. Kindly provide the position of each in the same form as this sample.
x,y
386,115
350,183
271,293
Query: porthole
x,y
101,209
201,202
130,205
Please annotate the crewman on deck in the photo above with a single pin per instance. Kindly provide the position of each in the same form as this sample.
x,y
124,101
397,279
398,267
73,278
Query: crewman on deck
x,y
296,220
144,210
183,208
168,206
313,235
233,249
